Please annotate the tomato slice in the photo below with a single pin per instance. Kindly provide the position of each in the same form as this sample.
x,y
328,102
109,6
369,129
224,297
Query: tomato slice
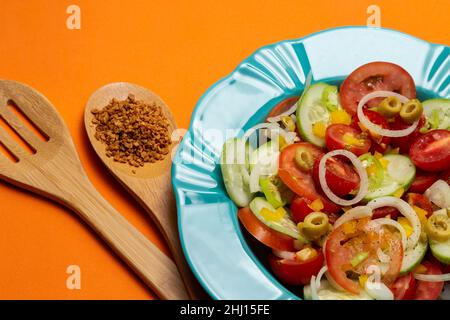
x,y
271,238
375,76
343,246
429,290
431,151
301,182
341,136
283,106
341,177
293,272
423,181
385,211
404,143
404,288
418,200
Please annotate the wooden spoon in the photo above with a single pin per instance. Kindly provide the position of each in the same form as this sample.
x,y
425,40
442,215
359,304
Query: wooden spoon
x,y
150,184
54,170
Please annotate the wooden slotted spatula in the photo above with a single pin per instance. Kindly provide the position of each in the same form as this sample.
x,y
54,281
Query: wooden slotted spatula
x,y
54,170
150,184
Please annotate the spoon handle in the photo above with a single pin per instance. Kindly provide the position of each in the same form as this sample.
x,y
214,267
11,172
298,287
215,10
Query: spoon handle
x,y
156,269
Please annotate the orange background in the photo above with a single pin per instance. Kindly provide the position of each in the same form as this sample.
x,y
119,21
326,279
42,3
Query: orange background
x,y
177,49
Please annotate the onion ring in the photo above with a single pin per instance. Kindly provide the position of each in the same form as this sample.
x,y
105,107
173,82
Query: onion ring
x,y
404,209
363,185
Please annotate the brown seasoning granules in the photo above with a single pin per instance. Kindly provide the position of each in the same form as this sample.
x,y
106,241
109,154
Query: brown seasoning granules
x,y
134,132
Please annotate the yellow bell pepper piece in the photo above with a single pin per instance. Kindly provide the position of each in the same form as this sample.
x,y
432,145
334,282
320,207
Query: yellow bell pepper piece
x,y
340,116
405,225
306,254
362,280
269,215
350,227
422,214
319,129
316,205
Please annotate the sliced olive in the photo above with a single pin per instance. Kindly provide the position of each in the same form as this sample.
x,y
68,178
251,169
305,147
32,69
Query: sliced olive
x,y
315,225
303,159
438,227
390,107
411,111
288,123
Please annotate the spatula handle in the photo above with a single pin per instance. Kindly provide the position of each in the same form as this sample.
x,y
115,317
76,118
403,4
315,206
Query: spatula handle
x,y
154,267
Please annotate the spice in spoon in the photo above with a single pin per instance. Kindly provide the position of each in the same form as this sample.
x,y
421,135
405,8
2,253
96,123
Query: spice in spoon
x,y
134,132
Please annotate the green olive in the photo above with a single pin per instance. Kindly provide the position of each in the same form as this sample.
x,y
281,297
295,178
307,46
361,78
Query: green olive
x,y
315,225
390,107
411,111
438,227
303,159
288,123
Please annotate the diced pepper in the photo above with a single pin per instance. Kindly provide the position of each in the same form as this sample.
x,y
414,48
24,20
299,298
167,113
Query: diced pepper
x,y
350,139
350,227
405,225
319,129
362,280
422,214
316,205
276,215
306,254
340,116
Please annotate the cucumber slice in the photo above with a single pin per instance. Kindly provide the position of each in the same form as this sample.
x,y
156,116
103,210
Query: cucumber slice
x,y
412,257
265,158
400,173
233,165
437,113
328,292
310,109
285,225
441,249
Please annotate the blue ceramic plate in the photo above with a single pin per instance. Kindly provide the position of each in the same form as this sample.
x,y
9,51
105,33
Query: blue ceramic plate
x,y
211,236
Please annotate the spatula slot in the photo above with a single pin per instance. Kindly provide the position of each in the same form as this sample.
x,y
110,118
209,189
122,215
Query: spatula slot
x,y
6,152
16,136
27,121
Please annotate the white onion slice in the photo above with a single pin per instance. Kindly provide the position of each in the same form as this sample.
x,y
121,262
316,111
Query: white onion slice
x,y
363,185
432,277
377,129
439,194
292,109
288,255
313,285
404,209
354,213
395,224
378,290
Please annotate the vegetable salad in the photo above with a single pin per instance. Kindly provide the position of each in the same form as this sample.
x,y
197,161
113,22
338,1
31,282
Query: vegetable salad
x,y
349,188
